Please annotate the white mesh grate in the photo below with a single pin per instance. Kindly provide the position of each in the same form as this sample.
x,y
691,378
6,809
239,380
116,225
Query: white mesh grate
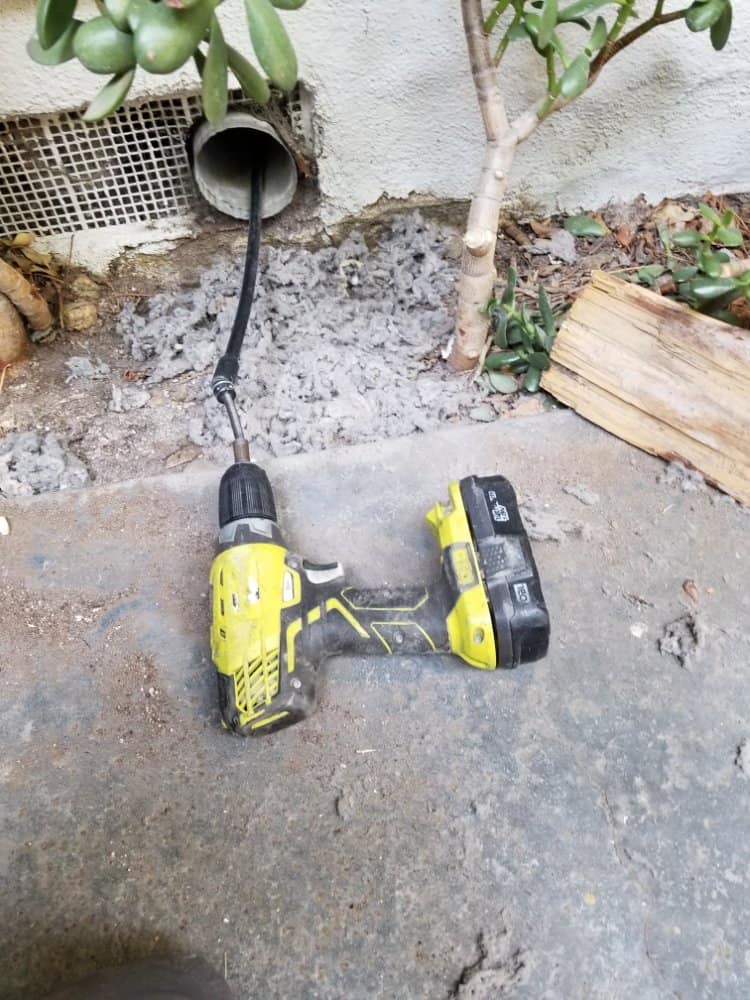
x,y
60,175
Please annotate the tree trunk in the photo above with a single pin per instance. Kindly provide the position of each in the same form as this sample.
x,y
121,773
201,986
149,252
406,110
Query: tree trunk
x,y
476,281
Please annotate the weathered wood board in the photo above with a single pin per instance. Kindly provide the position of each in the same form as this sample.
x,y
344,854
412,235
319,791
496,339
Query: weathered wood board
x,y
669,380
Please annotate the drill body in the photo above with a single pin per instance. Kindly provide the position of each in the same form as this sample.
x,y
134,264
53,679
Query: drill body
x,y
276,617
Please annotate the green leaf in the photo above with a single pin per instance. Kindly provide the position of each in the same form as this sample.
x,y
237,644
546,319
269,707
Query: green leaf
x,y
684,274
687,238
516,33
527,337
531,24
502,383
650,273
665,238
288,4
110,97
547,23
709,263
727,218
579,9
728,236
704,13
574,79
501,326
117,12
545,311
501,359
702,290
540,360
531,380
58,53
53,17
708,213
598,36
272,44
215,92
509,295
514,333
584,225
254,86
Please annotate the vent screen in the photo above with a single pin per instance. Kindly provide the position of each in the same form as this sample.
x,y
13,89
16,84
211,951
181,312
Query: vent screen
x,y
60,175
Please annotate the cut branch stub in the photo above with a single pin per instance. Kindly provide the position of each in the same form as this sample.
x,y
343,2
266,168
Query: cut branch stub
x,y
13,340
25,297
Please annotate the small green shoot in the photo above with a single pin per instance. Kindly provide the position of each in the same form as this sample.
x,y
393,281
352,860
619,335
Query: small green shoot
x,y
701,281
584,225
522,340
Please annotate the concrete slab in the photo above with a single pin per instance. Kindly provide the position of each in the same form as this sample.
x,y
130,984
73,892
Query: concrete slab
x,y
573,829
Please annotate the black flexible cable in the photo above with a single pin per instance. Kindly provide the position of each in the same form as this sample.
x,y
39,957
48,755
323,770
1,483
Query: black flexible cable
x,y
228,366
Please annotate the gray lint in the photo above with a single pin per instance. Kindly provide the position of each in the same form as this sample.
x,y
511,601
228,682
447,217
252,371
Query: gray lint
x,y
37,463
343,342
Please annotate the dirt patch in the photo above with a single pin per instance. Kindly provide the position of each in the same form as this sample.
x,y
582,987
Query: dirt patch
x,y
345,343
137,698
344,346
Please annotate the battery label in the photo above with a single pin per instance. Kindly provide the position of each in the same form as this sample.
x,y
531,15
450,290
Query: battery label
x,y
498,510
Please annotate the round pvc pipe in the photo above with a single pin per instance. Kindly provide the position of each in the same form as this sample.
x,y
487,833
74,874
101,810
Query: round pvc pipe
x,y
223,155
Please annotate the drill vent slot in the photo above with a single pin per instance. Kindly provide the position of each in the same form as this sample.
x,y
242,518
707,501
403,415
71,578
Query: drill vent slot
x,y
257,684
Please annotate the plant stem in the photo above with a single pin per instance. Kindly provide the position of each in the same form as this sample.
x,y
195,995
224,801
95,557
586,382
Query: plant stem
x,y
551,75
494,17
610,50
477,276
505,40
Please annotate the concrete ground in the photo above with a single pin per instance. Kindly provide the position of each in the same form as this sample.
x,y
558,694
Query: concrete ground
x,y
573,829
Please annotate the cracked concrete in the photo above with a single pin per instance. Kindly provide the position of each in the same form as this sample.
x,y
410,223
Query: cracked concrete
x,y
574,829
499,969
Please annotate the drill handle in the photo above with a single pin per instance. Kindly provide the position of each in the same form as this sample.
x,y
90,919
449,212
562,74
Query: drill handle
x,y
381,622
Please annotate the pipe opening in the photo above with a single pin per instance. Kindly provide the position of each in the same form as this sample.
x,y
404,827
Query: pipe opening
x,y
222,159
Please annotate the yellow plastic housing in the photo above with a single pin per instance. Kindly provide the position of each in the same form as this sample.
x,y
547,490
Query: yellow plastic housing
x,y
470,629
251,585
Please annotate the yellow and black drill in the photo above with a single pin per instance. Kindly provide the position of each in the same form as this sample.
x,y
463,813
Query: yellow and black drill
x,y
276,617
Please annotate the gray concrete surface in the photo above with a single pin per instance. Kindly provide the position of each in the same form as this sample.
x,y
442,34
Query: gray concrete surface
x,y
574,829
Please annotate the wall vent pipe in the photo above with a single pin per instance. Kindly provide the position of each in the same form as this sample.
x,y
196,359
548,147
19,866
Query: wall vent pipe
x,y
222,158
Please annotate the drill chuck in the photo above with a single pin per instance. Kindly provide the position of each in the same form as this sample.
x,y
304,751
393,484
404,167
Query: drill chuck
x,y
245,492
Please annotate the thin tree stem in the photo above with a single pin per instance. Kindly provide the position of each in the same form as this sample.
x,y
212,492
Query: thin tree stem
x,y
483,70
611,50
527,122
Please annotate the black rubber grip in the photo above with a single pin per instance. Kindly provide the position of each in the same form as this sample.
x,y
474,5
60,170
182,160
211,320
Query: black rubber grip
x,y
245,492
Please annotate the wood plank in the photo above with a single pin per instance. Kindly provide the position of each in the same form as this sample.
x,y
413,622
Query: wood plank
x,y
646,432
669,380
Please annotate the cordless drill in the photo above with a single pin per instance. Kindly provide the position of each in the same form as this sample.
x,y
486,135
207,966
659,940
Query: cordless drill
x,y
276,617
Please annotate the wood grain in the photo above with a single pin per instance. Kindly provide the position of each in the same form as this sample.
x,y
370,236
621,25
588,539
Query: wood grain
x,y
660,376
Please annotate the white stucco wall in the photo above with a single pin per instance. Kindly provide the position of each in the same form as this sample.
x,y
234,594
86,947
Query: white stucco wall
x,y
397,113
